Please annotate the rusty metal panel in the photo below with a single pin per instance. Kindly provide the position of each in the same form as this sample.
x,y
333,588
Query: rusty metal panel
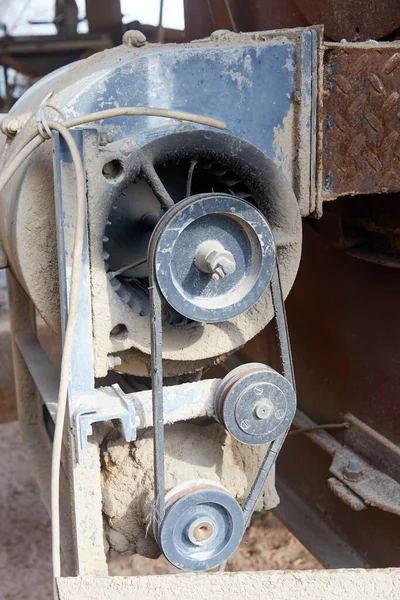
x,y
104,16
344,326
361,124
340,18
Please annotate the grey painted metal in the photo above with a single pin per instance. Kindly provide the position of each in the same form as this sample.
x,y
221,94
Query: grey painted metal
x,y
241,229
258,407
30,411
85,475
43,373
81,389
181,402
119,407
202,505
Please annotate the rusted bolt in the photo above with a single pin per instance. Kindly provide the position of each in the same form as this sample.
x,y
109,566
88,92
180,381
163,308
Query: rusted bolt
x,y
353,470
133,38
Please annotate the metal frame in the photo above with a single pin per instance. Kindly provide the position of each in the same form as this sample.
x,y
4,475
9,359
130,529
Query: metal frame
x,y
37,383
86,405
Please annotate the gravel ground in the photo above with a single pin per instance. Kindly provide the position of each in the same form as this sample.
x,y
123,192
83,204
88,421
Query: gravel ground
x,y
25,550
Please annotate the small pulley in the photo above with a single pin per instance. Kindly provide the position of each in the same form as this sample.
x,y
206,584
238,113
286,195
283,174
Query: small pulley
x,y
214,257
255,404
202,526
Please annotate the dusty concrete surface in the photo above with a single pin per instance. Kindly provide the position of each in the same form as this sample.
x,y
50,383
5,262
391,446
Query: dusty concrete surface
x,y
191,452
354,584
25,567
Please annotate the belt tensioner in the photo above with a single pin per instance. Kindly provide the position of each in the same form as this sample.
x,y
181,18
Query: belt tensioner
x,y
211,257
255,403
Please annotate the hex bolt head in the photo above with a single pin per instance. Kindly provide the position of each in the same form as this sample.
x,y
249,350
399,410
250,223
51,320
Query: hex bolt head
x,y
220,262
353,471
211,257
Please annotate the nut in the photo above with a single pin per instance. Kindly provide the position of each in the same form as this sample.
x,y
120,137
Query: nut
x,y
105,138
221,262
353,470
212,258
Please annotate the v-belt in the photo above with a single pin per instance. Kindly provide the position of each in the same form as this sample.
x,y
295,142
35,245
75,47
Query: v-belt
x,y
159,507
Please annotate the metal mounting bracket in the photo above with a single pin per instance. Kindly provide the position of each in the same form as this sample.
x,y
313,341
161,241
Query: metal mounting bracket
x,y
182,402
119,407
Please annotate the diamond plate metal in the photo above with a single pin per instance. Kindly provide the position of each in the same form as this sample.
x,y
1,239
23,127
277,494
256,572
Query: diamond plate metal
x,y
361,119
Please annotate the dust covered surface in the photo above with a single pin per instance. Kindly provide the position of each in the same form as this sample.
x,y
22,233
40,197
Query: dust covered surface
x,y
25,552
191,452
267,545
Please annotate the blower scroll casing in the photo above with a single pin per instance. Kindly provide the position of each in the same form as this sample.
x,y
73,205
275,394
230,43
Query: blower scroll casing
x,y
244,87
130,163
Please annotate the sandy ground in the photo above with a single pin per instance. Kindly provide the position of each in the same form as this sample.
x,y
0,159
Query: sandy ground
x,y
25,549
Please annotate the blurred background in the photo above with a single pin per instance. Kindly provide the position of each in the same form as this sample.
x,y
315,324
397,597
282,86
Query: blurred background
x,y
38,36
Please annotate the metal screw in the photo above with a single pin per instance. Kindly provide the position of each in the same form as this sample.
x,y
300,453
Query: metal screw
x,y
353,470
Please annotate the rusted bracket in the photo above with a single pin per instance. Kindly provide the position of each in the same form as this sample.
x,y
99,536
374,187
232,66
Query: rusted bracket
x,y
366,468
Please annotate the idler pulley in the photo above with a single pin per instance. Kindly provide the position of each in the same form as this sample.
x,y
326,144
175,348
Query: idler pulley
x,y
255,404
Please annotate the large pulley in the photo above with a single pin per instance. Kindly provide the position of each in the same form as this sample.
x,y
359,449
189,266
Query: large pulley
x,y
214,257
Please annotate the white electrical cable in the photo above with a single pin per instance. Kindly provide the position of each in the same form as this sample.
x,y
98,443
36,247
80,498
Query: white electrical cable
x,y
67,347
35,141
